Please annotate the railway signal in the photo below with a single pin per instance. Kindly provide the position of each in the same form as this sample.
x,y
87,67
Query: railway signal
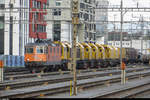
x,y
1,71
75,22
123,78
121,63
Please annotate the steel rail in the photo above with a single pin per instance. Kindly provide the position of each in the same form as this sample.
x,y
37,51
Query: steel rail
x,y
66,86
29,75
32,82
128,92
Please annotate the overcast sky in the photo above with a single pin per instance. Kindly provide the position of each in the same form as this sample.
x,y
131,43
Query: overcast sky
x,y
128,15
145,3
129,3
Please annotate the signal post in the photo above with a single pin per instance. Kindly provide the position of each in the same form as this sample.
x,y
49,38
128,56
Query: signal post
x,y
123,73
75,22
1,71
122,64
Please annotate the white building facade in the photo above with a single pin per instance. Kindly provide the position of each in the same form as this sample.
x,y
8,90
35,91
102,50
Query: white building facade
x,y
14,29
59,24
59,20
101,15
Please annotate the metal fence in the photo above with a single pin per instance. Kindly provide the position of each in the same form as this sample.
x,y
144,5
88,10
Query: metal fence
x,y
12,61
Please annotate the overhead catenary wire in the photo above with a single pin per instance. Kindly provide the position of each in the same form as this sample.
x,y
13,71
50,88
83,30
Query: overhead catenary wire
x,y
50,10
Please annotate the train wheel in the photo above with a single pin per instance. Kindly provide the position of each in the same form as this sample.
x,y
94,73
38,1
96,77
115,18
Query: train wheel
x,y
65,67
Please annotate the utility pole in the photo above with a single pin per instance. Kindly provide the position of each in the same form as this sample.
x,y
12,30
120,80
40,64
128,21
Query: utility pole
x,y
123,70
142,27
114,29
75,22
131,34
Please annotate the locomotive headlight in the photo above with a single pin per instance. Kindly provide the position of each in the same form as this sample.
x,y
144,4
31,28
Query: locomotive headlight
x,y
28,59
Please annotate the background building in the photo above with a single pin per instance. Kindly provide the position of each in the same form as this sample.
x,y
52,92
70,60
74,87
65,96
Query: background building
x,y
12,32
60,21
141,46
14,27
37,26
101,17
115,36
59,24
9,31
24,25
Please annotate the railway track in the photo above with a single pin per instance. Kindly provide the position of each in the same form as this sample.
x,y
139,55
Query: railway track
x,y
24,71
21,75
130,91
27,74
140,94
15,71
136,88
59,78
62,86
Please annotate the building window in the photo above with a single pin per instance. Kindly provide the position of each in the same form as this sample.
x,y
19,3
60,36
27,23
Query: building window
x,y
11,6
11,36
2,6
41,28
58,3
47,3
34,3
33,27
56,30
57,12
36,16
44,6
1,25
2,34
38,5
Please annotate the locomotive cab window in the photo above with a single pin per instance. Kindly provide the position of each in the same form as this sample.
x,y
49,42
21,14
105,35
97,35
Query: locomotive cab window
x,y
39,50
46,49
29,50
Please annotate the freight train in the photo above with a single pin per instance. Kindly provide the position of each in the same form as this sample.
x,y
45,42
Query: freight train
x,y
49,56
